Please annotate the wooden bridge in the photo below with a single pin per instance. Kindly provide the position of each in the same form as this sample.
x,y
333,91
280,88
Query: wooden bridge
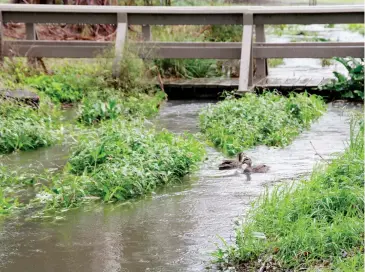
x,y
253,45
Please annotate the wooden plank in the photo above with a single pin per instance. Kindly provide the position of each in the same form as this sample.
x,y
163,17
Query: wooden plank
x,y
289,82
58,49
1,39
181,15
308,51
261,63
246,54
314,82
308,18
122,29
303,81
184,10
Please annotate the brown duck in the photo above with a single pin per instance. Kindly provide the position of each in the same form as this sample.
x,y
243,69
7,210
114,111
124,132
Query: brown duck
x,y
241,161
245,163
260,168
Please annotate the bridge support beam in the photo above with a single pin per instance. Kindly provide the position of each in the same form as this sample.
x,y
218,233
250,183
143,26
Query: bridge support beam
x,y
261,63
146,33
122,29
1,39
245,80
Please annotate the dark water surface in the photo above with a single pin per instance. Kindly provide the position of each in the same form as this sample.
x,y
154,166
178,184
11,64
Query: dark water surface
x,y
174,229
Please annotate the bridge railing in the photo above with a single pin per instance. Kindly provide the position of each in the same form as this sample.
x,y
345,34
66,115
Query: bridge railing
x,y
250,48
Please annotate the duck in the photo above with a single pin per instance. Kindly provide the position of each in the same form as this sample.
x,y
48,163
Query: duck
x,y
260,168
242,161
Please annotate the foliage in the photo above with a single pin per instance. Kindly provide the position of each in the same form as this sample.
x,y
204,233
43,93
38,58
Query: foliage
x,y
351,87
275,62
121,160
269,119
224,33
316,223
357,28
93,110
187,68
22,128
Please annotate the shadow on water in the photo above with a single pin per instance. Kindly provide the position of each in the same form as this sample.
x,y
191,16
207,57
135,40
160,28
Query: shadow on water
x,y
175,228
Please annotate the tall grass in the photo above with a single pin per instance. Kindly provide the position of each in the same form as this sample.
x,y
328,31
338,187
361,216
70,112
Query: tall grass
x,y
120,160
271,119
314,224
23,128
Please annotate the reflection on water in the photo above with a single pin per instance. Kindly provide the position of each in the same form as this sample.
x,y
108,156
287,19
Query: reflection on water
x,y
174,229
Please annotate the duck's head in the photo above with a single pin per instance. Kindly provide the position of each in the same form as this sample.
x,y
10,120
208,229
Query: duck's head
x,y
244,159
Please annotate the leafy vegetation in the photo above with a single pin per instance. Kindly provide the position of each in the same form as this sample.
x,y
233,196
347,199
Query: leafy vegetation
x,y
118,161
93,110
270,119
357,28
314,224
23,128
351,87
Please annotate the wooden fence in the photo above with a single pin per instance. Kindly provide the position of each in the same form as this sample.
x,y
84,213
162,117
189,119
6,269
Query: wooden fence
x,y
250,17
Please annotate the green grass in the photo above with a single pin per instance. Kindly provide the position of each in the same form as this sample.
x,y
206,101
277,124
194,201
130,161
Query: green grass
x,y
270,119
315,224
23,128
120,160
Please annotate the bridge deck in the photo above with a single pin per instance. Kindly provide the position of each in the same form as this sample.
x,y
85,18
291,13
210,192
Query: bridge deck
x,y
269,82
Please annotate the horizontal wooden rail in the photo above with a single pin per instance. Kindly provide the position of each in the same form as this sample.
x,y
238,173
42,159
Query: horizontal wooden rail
x,y
181,15
209,50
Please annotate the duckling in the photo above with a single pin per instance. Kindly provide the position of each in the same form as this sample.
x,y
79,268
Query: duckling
x,y
242,160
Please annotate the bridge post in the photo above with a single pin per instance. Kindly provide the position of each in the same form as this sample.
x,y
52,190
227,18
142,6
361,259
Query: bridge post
x,y
1,39
30,34
245,80
261,64
122,29
146,32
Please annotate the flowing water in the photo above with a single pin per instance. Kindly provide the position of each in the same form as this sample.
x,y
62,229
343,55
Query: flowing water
x,y
175,228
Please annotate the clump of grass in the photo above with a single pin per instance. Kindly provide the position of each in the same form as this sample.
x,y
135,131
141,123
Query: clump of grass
x,y
23,128
94,110
316,223
270,119
121,160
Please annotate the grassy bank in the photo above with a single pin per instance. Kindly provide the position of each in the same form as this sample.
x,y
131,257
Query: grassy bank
x,y
270,119
316,224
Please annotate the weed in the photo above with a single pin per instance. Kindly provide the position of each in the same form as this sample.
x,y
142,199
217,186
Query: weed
x,y
269,119
312,224
351,87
